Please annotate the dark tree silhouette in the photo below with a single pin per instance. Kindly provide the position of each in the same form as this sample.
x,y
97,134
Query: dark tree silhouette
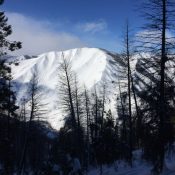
x,y
158,45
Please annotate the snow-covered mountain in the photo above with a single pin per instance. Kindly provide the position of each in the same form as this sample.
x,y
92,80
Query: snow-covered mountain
x,y
93,67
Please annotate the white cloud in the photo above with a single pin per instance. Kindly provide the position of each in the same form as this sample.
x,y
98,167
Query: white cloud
x,y
93,27
38,36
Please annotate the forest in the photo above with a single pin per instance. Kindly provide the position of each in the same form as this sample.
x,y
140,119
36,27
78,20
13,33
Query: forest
x,y
92,136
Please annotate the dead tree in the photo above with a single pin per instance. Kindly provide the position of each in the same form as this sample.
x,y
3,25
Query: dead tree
x,y
128,57
103,106
66,89
159,16
87,113
70,102
36,110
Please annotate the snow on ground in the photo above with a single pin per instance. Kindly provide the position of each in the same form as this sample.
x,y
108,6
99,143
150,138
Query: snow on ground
x,y
93,67
140,167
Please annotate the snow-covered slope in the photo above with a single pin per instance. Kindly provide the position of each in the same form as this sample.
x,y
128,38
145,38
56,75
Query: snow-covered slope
x,y
93,67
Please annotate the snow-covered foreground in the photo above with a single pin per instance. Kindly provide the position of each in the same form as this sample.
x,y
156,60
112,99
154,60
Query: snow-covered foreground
x,y
93,67
128,171
140,167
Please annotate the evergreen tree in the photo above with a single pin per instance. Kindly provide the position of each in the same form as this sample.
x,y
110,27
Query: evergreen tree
x,y
7,96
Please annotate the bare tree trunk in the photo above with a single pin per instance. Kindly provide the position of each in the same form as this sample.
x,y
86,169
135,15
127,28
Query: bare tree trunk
x,y
103,106
87,126
129,92
8,115
123,114
77,104
96,112
71,102
139,120
162,82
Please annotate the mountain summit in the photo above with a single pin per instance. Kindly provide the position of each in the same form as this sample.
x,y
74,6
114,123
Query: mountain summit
x,y
93,67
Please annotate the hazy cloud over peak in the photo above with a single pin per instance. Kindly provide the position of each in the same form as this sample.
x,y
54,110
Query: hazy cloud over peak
x,y
38,37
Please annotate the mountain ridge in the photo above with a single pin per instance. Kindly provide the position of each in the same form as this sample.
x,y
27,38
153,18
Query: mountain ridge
x,y
93,67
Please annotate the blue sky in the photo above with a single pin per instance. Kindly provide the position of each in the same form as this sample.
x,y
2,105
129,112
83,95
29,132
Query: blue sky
x,y
44,25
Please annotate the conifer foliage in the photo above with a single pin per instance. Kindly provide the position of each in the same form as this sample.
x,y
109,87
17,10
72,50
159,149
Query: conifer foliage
x,y
7,96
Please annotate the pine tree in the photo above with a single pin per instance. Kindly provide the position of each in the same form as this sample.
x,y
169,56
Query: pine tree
x,y
7,100
7,96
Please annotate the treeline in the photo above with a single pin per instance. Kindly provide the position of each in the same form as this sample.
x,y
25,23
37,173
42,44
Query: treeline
x,y
92,135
